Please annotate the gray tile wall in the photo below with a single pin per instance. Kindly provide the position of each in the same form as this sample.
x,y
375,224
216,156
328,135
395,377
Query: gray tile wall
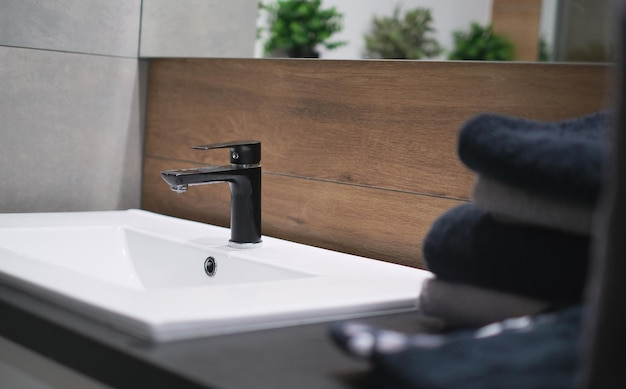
x,y
198,28
71,104
107,27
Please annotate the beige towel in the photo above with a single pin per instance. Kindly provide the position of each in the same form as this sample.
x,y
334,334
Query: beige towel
x,y
523,206
464,305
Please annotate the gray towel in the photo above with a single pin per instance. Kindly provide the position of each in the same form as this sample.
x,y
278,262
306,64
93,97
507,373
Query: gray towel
x,y
524,206
563,159
463,305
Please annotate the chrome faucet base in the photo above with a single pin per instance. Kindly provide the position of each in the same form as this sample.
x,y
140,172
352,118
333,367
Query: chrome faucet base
x,y
245,246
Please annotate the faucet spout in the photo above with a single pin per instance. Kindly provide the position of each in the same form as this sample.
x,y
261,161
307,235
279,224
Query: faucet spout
x,y
245,189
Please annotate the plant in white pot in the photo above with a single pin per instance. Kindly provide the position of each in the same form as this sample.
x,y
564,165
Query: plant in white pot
x,y
298,27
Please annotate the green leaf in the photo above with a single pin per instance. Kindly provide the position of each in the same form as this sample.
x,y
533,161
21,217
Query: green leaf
x,y
481,43
402,36
301,24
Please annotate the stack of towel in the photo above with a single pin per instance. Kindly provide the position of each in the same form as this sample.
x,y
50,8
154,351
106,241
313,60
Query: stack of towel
x,y
519,248
522,245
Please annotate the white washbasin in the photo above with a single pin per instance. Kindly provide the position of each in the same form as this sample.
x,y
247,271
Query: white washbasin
x,y
144,273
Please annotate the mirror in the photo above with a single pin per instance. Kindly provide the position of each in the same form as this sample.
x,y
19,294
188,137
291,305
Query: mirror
x,y
553,30
539,30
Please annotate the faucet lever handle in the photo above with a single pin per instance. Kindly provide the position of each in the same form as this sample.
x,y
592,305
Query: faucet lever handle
x,y
242,152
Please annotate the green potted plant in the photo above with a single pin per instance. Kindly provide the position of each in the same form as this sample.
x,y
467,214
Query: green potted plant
x,y
481,43
409,36
298,27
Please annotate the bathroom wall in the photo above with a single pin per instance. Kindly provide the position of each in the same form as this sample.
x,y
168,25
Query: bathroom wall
x,y
71,105
198,28
358,156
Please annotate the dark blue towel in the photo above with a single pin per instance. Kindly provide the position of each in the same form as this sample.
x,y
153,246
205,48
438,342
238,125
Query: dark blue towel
x,y
467,245
563,159
524,353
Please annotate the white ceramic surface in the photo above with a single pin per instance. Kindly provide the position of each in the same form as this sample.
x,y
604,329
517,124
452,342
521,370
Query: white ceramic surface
x,y
144,274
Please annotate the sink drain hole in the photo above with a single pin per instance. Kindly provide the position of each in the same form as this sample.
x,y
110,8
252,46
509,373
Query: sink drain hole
x,y
210,266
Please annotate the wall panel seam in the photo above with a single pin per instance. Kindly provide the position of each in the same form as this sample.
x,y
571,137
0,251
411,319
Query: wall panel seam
x,y
387,189
70,52
295,176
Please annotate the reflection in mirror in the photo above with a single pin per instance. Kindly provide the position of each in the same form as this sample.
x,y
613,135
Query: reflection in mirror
x,y
520,30
584,31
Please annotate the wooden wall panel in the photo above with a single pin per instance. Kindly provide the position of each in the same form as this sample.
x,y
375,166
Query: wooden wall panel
x,y
358,156
519,20
384,124
360,220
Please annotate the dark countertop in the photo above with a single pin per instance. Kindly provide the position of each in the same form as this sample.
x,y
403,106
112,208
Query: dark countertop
x,y
292,357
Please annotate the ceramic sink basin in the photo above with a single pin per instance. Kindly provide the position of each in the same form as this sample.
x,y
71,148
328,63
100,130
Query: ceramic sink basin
x,y
162,278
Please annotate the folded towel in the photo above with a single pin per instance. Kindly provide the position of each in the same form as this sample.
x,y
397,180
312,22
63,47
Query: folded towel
x,y
564,159
538,352
462,305
520,205
467,245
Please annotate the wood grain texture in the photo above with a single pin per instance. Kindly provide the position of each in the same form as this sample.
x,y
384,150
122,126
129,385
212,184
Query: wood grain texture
x,y
359,220
519,21
358,156
383,124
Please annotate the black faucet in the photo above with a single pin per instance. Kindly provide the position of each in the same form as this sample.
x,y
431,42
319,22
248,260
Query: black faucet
x,y
244,178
